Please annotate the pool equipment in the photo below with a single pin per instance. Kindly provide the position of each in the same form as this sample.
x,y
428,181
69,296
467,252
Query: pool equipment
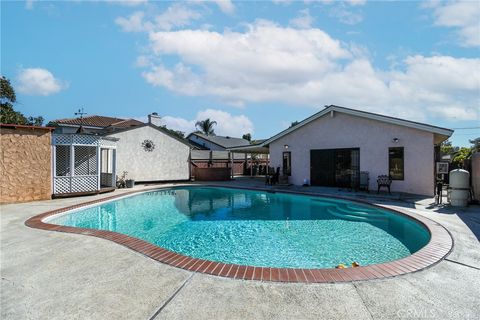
x,y
459,187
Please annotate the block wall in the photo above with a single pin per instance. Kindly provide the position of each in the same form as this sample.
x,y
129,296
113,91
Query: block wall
x,y
25,164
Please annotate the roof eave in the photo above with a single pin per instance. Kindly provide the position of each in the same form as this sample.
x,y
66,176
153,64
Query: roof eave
x,y
363,114
253,148
70,125
22,126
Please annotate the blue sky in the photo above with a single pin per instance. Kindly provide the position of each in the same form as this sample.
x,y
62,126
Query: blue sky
x,y
251,66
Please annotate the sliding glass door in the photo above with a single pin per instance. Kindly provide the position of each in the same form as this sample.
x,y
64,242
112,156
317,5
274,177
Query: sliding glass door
x,y
335,167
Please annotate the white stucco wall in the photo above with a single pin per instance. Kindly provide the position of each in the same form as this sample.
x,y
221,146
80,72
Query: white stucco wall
x,y
373,138
168,161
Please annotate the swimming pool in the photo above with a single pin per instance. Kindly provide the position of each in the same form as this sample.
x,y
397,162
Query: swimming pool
x,y
256,228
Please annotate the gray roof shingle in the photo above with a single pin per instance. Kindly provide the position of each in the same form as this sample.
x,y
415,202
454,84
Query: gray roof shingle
x,y
224,141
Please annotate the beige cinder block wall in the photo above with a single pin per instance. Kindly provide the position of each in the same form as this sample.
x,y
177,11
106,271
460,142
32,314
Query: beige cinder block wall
x,y
25,163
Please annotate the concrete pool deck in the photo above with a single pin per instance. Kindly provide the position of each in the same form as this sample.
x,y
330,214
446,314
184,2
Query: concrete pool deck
x,y
61,276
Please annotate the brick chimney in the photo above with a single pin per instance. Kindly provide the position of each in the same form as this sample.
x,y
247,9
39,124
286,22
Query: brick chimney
x,y
155,119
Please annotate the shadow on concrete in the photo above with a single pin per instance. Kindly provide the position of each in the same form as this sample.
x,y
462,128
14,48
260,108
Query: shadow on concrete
x,y
472,221
469,215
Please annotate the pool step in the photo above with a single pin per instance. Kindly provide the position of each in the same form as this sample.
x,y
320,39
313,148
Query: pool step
x,y
356,208
360,212
333,211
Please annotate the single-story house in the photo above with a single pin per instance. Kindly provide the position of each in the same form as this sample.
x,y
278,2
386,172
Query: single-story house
x,y
214,142
332,147
211,151
146,151
149,152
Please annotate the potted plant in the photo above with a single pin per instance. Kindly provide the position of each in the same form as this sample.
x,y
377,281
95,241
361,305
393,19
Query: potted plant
x,y
121,181
130,183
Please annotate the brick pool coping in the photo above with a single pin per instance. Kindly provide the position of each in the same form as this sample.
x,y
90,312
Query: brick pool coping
x,y
439,246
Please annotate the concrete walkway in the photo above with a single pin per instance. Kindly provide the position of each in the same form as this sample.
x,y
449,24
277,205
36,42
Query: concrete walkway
x,y
51,275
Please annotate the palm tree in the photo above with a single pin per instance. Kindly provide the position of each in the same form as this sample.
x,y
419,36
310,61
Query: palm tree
x,y
206,126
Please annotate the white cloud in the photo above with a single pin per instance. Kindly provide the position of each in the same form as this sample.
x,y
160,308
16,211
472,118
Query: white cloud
x,y
329,2
128,3
263,57
176,15
282,2
441,85
143,61
29,4
347,11
307,67
303,21
463,15
356,2
345,14
226,6
38,81
134,23
227,124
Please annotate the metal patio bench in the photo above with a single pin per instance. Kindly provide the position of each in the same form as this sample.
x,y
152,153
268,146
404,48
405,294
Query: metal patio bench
x,y
384,181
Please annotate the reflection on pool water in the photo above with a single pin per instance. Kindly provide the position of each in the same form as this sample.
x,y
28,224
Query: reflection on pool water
x,y
257,228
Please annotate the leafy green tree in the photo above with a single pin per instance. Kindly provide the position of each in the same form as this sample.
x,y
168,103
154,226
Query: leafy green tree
x,y
247,136
294,123
35,121
7,113
461,155
475,144
446,147
206,126
177,133
7,99
7,93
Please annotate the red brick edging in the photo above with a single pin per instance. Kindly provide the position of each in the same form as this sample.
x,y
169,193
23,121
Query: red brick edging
x,y
439,246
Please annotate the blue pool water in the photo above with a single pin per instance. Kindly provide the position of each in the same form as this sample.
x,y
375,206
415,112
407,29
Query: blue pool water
x,y
257,228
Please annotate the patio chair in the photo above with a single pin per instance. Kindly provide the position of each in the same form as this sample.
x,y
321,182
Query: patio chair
x,y
276,176
384,181
269,175
364,181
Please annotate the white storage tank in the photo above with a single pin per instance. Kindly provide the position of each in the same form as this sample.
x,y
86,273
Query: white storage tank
x,y
459,187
